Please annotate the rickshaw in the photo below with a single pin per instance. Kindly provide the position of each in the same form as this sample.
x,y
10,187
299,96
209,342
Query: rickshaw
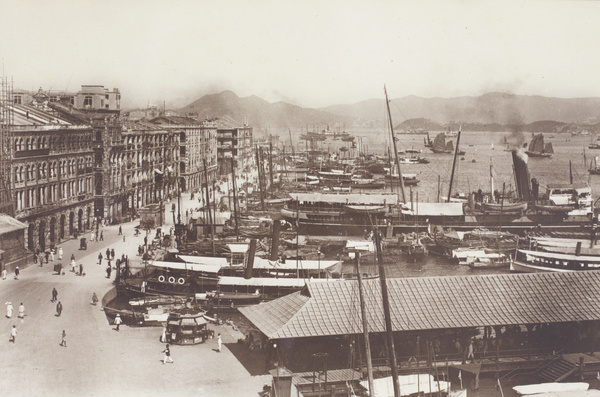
x,y
82,244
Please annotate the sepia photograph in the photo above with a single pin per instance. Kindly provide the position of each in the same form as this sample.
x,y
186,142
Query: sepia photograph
x,y
260,198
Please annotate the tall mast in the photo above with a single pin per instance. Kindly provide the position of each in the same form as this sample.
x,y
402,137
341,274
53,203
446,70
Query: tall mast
x,y
454,163
363,312
389,332
387,103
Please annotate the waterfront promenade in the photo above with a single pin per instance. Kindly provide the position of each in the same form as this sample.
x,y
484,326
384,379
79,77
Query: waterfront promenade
x,y
98,360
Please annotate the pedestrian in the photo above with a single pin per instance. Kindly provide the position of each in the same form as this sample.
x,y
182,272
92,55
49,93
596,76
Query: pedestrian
x,y
72,257
59,309
100,258
13,334
63,342
118,321
52,255
60,253
120,230
94,299
219,342
112,253
54,295
108,270
47,256
123,238
73,265
102,235
41,259
21,310
163,337
4,274
470,354
167,352
108,253
81,269
17,273
93,236
9,310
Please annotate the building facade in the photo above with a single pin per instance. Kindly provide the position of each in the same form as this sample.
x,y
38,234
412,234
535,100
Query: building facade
x,y
198,150
52,174
150,161
235,143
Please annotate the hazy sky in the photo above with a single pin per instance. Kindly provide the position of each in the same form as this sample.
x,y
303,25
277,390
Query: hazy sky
x,y
310,53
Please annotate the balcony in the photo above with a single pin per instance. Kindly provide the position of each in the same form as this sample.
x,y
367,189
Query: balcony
x,y
32,153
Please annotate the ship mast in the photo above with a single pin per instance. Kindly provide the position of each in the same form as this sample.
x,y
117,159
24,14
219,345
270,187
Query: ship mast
x,y
387,103
454,163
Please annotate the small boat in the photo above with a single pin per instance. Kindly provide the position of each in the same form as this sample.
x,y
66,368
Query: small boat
x,y
413,160
488,261
506,207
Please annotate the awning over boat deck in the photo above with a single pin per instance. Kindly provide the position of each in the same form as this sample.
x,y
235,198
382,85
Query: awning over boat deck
x,y
195,267
204,260
291,282
429,303
346,198
238,248
434,209
293,264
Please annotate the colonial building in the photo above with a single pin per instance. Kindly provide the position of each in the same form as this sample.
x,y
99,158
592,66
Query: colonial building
x,y
198,150
52,174
150,161
236,143
96,97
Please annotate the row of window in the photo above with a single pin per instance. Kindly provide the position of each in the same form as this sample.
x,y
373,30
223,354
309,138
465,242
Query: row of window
x,y
62,168
48,194
71,142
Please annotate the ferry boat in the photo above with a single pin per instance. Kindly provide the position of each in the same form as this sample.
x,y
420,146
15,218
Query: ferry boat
x,y
527,261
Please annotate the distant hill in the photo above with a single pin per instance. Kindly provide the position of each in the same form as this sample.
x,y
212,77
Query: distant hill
x,y
492,108
488,112
259,113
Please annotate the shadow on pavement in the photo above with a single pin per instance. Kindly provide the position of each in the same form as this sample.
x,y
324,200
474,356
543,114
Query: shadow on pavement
x,y
253,362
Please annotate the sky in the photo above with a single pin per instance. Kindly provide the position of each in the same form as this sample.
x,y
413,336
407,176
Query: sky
x,y
309,53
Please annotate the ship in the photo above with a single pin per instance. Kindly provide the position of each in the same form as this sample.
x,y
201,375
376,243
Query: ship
x,y
537,148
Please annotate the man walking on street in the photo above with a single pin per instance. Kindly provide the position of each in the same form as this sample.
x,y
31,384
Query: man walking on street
x,y
59,309
54,295
17,273
100,258
21,311
60,253
13,334
120,231
63,342
167,352
108,253
102,235
219,342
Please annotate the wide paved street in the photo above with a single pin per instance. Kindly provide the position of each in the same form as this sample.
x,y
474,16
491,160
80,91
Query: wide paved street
x,y
98,360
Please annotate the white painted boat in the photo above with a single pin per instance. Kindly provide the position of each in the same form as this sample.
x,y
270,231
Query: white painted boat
x,y
409,385
540,261
553,387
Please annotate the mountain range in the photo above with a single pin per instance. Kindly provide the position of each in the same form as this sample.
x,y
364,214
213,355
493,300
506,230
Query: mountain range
x,y
492,110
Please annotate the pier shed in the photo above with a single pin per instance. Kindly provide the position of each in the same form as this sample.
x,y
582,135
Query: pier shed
x,y
510,315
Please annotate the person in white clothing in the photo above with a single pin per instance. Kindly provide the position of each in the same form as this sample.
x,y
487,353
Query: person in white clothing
x,y
9,309
60,253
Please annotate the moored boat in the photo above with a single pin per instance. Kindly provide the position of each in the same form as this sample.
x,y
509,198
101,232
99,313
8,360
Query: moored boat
x,y
527,261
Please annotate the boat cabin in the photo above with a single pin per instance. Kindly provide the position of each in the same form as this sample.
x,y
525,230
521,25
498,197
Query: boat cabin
x,y
574,194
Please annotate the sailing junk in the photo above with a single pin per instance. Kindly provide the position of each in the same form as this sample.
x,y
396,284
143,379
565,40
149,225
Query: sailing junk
x,y
440,145
537,148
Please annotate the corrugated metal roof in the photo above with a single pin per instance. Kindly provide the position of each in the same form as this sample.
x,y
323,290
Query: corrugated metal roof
x,y
9,224
432,303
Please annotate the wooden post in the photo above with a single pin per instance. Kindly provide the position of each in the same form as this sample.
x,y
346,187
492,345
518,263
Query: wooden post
x,y
365,323
581,368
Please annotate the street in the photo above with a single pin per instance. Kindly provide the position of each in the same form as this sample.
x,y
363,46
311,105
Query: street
x,y
98,360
